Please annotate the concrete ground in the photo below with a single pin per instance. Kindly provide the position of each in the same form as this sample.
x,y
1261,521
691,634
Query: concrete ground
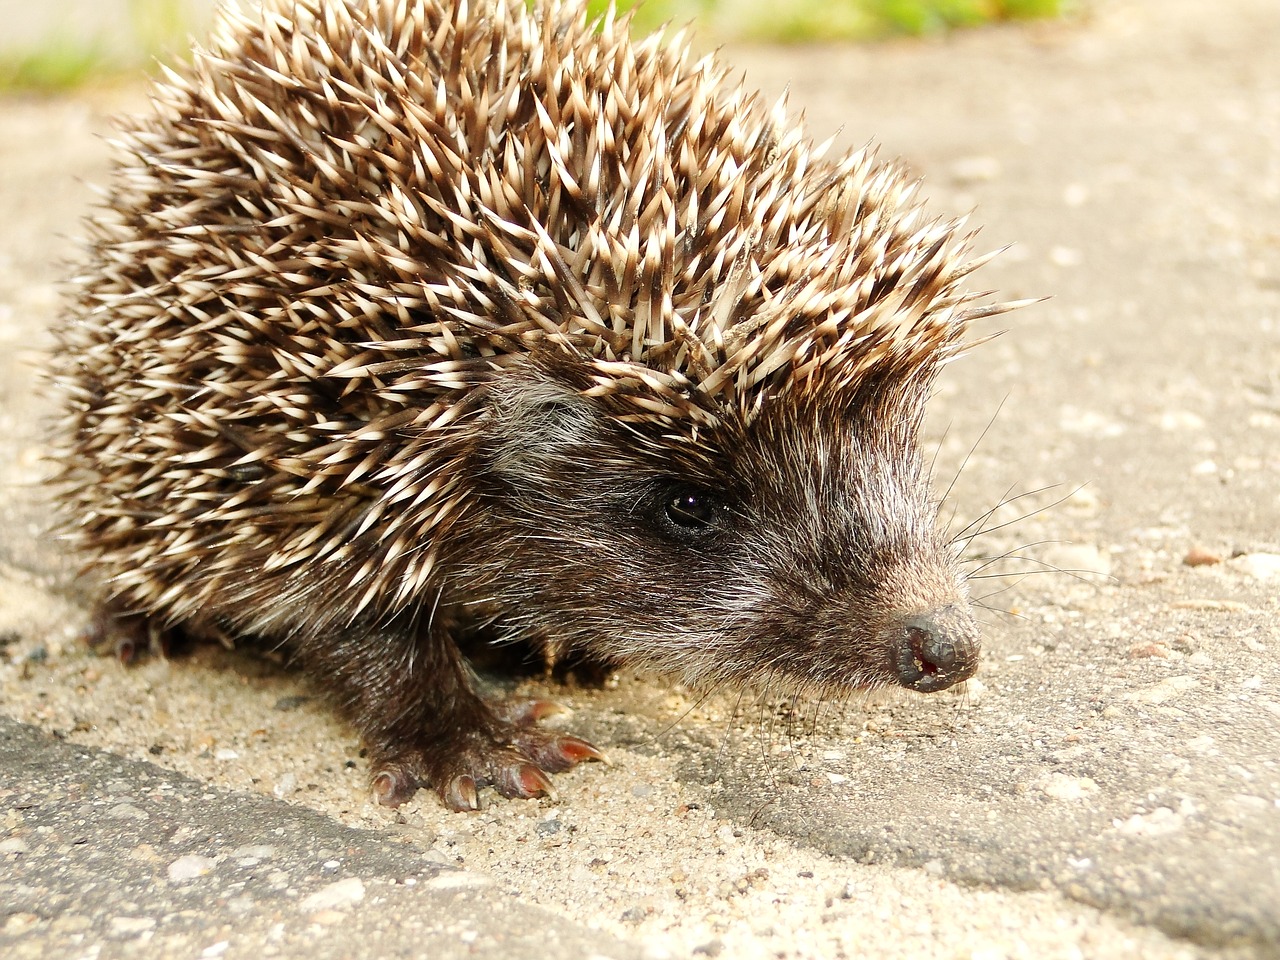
x,y
1108,788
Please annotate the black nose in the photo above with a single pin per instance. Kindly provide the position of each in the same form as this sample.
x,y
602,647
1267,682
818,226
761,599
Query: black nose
x,y
935,650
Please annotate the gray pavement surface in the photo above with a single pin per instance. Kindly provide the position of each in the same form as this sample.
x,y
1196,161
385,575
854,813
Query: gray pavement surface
x,y
132,859
1110,787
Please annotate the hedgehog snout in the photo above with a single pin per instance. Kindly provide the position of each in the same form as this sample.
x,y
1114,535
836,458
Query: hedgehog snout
x,y
935,649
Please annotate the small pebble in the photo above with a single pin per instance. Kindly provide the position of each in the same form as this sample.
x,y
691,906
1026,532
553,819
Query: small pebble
x,y
1205,468
1260,566
1065,257
131,926
286,785
17,923
341,893
1200,557
457,880
1168,689
190,867
255,852
128,811
1059,786
1160,821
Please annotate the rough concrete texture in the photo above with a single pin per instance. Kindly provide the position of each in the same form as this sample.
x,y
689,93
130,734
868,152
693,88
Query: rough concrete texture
x,y
124,853
1109,787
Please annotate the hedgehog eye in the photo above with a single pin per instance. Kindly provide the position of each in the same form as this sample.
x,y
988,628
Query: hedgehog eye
x,y
690,510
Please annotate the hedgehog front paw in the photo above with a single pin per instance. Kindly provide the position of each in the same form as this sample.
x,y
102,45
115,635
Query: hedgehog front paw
x,y
129,637
509,754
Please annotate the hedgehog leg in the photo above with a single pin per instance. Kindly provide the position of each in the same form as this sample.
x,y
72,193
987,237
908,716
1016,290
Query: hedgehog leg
x,y
131,637
411,696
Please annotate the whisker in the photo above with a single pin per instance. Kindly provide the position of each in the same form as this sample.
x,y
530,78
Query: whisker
x,y
1004,501
1076,573
987,561
1001,612
982,600
972,449
982,518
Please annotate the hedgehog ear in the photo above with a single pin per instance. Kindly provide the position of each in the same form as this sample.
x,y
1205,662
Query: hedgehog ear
x,y
534,421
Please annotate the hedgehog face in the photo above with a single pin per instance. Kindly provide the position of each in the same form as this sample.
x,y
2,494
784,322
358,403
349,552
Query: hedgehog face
x,y
801,544
862,587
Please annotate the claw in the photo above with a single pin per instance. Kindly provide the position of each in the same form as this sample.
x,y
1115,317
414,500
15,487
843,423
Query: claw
x,y
129,637
561,753
575,749
526,713
534,782
523,780
98,636
393,787
460,794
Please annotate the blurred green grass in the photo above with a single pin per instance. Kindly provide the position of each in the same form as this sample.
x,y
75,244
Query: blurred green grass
x,y
59,63
155,28
809,21
66,57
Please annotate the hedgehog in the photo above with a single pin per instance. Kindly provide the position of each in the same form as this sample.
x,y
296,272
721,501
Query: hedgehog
x,y
403,322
